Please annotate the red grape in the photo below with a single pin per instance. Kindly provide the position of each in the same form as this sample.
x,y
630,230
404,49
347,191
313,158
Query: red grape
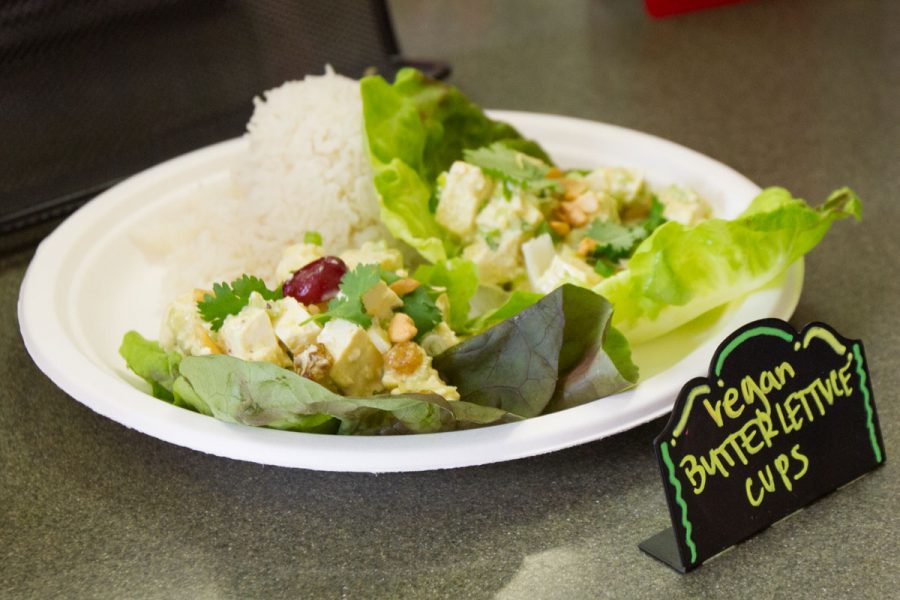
x,y
316,282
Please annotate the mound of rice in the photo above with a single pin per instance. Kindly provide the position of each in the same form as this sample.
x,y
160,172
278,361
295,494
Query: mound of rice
x,y
307,168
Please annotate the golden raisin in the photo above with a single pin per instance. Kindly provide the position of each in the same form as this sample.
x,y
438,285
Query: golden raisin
x,y
404,358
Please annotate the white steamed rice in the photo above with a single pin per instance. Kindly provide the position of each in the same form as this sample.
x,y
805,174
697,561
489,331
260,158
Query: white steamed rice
x,y
306,169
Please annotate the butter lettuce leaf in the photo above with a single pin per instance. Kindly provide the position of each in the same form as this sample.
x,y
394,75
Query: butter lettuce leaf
x,y
548,356
516,302
151,363
415,128
681,272
459,279
262,394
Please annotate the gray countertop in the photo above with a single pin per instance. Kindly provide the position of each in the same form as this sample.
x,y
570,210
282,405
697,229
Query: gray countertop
x,y
802,94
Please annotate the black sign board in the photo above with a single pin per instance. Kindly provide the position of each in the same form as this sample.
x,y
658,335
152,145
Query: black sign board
x,y
782,419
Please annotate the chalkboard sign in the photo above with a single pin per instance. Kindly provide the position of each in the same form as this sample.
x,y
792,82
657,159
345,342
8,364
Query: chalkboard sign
x,y
782,419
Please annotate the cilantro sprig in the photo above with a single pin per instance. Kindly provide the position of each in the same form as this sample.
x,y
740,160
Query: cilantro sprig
x,y
419,304
229,299
615,241
348,303
421,307
512,167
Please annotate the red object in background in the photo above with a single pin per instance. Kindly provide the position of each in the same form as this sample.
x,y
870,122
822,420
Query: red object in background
x,y
664,8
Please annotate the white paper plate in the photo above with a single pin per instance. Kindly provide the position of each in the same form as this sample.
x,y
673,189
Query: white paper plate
x,y
88,284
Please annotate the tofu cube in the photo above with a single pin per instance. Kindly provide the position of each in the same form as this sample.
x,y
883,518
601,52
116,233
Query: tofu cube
x,y
626,186
293,327
249,335
496,265
379,338
566,269
357,362
465,190
538,254
380,301
684,205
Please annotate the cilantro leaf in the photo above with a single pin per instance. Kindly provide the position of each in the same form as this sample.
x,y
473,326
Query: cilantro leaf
x,y
604,268
458,278
619,241
390,277
230,299
348,303
420,306
614,241
510,166
655,218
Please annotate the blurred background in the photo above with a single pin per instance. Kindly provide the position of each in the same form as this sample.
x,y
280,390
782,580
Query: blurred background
x,y
93,91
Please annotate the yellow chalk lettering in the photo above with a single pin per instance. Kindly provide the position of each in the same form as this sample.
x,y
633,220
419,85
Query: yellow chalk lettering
x,y
715,413
768,383
795,452
833,382
733,440
767,483
757,500
787,426
845,377
766,429
783,371
806,409
747,434
782,462
792,408
695,473
825,387
731,398
750,390
811,390
714,464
